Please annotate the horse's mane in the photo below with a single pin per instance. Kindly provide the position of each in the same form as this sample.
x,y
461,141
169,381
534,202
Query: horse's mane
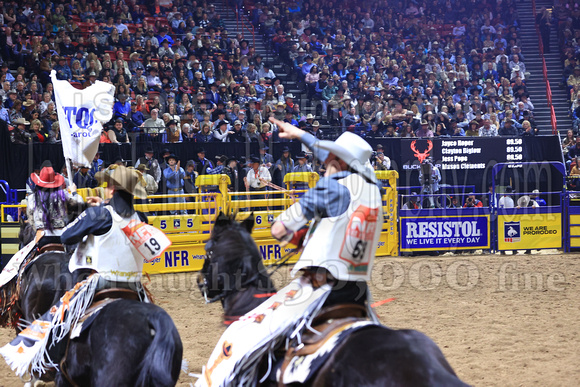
x,y
232,241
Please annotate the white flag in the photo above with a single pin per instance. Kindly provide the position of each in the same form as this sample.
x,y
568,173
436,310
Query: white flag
x,y
81,115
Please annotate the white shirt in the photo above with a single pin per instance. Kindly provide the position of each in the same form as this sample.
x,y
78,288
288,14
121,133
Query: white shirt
x,y
505,202
254,177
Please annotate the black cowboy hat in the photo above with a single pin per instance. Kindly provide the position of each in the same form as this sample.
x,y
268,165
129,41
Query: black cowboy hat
x,y
301,155
173,156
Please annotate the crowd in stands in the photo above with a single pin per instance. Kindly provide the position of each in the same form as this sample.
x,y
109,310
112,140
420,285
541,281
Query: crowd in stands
x,y
565,16
179,75
409,69
379,69
386,69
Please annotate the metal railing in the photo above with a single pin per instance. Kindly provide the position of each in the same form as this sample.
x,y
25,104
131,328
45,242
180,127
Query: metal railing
x,y
553,119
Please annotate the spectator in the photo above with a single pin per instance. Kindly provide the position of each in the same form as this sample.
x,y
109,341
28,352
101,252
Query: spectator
x,y
222,132
190,177
174,180
118,133
136,118
173,132
424,131
151,184
265,157
122,108
206,134
265,72
220,165
284,165
19,134
506,201
83,179
488,130
412,203
258,177
202,164
151,163
154,125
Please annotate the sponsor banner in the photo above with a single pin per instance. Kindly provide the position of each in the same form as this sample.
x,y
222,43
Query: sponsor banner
x,y
189,257
529,231
445,233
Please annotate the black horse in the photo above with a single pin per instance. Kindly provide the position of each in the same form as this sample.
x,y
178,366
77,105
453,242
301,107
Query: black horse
x,y
130,343
374,356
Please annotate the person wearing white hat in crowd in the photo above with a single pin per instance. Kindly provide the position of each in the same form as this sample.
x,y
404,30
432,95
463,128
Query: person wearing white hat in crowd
x,y
536,196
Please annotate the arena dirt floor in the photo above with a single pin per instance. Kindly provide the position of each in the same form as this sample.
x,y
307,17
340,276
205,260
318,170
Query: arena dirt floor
x,y
500,320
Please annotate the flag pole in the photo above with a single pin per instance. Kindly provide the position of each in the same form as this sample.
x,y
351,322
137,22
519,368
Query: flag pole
x,y
69,170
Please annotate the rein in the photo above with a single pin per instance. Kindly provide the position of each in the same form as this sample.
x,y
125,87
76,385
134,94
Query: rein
x,y
283,260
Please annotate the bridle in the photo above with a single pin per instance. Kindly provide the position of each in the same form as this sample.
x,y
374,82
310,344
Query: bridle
x,y
204,285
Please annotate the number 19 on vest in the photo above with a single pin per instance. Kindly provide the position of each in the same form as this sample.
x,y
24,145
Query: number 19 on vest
x,y
149,241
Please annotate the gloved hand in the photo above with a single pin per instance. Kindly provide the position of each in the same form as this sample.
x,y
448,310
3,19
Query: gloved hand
x,y
295,238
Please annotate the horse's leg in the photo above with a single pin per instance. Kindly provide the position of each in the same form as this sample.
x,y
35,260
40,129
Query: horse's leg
x,y
77,364
384,357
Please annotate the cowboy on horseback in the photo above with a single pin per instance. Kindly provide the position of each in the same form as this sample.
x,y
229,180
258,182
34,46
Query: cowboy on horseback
x,y
113,242
345,211
47,205
103,232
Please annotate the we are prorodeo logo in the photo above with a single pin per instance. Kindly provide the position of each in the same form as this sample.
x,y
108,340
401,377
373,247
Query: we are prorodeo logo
x,y
511,232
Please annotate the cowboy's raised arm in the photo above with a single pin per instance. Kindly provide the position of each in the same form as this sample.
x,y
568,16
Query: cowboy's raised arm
x,y
290,132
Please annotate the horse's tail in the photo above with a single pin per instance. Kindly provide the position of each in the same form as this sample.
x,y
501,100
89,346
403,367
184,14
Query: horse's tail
x,y
162,361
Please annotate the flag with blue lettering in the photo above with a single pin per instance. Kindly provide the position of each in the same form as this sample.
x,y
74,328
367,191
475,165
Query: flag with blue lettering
x,y
81,115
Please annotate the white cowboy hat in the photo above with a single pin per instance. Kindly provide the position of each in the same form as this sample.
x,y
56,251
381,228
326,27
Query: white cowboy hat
x,y
353,150
524,201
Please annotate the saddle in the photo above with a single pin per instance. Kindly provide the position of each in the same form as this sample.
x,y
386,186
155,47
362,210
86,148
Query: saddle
x,y
49,247
328,322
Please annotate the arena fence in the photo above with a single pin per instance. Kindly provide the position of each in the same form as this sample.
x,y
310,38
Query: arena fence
x,y
555,225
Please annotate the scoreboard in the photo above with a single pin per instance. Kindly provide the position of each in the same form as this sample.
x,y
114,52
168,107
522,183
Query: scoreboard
x,y
462,153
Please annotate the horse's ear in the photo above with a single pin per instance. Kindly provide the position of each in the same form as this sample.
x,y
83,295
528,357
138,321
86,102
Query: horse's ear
x,y
222,220
248,223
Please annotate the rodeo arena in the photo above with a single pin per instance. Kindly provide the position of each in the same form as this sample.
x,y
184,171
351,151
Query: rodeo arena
x,y
290,192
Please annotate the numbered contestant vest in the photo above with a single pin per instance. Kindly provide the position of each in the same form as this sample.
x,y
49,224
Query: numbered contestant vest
x,y
345,245
112,254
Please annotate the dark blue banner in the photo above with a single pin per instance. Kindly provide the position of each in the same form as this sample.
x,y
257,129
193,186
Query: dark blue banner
x,y
444,233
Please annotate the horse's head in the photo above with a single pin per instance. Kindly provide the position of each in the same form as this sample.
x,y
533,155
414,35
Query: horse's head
x,y
233,261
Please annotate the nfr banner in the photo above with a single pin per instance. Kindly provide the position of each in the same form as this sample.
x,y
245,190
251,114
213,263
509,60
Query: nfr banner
x,y
432,232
